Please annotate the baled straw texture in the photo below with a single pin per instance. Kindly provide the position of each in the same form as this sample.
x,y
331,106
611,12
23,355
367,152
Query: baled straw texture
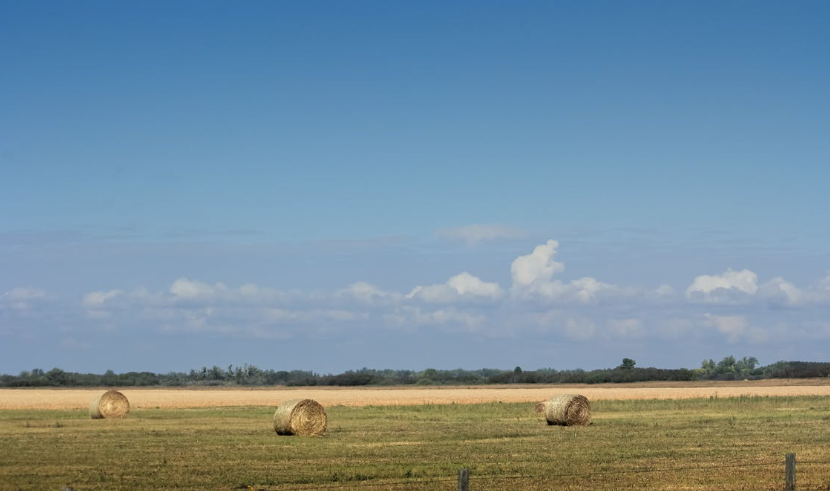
x,y
301,417
568,410
110,404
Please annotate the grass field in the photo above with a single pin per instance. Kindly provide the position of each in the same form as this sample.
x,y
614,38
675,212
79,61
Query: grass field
x,y
701,444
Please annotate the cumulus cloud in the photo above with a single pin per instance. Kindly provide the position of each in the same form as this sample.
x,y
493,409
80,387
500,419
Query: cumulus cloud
x,y
475,234
536,268
582,291
742,287
463,286
190,289
533,279
96,300
585,308
723,288
782,291
368,294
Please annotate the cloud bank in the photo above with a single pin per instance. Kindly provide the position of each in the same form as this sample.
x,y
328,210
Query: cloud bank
x,y
733,306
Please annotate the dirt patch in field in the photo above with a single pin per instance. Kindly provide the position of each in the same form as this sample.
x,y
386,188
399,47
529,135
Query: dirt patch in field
x,y
401,396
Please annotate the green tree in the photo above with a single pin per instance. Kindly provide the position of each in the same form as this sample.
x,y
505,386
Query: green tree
x,y
109,378
627,364
727,365
57,377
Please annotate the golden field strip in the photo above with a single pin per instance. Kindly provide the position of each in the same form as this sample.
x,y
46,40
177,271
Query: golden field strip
x,y
172,398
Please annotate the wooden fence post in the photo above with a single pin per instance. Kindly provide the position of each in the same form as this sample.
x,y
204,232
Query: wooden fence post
x,y
790,472
463,480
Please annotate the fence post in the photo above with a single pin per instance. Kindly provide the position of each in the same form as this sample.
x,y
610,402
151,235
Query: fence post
x,y
463,480
790,472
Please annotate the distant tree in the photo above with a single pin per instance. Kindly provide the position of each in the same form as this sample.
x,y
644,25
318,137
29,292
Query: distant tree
x,y
216,373
109,378
746,364
727,365
56,377
627,364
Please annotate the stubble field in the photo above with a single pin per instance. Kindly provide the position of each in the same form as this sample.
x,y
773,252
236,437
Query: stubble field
x,y
702,437
173,398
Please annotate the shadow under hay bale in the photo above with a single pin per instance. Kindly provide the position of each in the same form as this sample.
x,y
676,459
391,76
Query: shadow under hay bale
x,y
110,404
568,410
300,417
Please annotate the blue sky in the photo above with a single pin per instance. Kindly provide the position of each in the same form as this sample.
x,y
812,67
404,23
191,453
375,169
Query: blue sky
x,y
331,185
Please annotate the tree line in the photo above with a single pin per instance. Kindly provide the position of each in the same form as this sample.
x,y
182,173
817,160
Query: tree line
x,y
728,368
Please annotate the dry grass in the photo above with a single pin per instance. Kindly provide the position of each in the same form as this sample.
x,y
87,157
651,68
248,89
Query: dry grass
x,y
686,445
404,396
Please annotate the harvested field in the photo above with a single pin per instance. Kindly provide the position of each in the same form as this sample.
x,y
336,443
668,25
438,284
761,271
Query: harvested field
x,y
404,396
723,444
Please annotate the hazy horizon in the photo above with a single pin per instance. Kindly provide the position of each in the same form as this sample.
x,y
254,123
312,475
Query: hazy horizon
x,y
329,186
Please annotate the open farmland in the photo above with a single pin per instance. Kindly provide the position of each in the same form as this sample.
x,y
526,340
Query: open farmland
x,y
402,396
703,443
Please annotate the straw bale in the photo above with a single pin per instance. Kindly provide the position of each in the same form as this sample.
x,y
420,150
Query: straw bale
x,y
568,410
110,404
301,417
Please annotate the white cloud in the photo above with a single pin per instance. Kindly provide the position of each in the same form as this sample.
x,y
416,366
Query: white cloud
x,y
368,294
467,284
532,279
21,298
463,286
780,290
584,290
586,308
96,300
587,289
536,268
732,326
723,288
414,317
475,234
189,289
663,291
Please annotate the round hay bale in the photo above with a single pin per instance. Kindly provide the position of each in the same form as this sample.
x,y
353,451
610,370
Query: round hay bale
x,y
568,410
110,404
540,407
301,417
